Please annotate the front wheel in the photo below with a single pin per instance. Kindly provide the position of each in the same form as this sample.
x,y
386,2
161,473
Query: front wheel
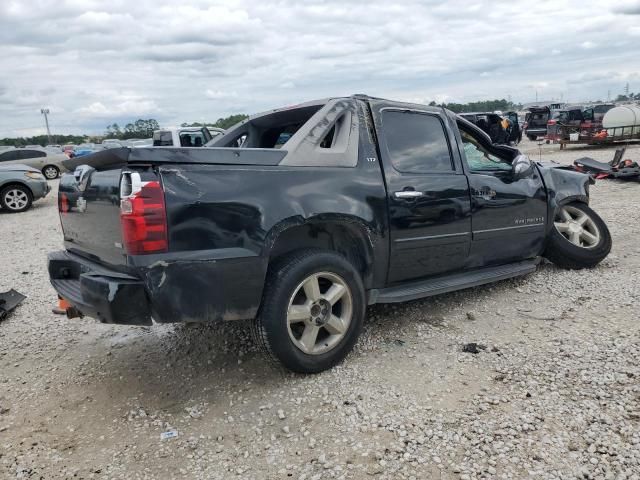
x,y
312,311
15,198
579,237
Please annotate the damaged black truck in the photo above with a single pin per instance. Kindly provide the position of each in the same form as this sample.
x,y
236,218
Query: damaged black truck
x,y
298,218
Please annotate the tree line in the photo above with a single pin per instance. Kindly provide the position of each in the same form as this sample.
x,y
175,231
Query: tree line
x,y
139,129
225,122
144,128
481,106
43,140
628,98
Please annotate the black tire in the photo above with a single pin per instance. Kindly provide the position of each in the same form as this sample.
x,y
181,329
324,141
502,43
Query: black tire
x,y
567,255
6,202
533,138
50,172
270,328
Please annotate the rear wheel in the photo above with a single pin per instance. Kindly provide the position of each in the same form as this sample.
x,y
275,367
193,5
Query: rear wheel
x,y
312,311
51,172
579,237
15,198
532,137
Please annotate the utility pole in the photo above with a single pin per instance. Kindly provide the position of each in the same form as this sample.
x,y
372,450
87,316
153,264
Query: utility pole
x,y
45,112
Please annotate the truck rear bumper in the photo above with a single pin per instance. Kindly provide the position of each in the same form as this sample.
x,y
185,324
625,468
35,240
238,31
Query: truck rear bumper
x,y
108,296
207,286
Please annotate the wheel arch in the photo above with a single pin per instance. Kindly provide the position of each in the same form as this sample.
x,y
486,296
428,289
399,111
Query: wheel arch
x,y
342,234
571,199
18,183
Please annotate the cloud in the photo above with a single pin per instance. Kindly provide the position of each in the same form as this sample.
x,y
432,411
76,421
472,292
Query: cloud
x,y
132,107
628,7
94,62
219,94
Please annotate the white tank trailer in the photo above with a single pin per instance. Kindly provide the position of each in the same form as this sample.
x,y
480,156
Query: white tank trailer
x,y
622,116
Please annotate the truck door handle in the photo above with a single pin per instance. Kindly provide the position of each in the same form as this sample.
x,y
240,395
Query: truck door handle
x,y
408,194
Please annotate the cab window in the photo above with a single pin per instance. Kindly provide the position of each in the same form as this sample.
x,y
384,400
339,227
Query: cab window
x,y
162,139
479,159
417,142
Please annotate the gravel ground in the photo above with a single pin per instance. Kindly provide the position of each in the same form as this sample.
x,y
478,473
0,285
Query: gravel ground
x,y
555,393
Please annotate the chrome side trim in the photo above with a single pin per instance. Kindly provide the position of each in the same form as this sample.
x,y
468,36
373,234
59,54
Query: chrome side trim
x,y
400,240
510,228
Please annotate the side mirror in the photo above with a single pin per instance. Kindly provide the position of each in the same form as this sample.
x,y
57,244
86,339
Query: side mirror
x,y
521,167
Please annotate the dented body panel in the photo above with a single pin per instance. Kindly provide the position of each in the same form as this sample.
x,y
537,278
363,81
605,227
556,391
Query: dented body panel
x,y
563,185
319,177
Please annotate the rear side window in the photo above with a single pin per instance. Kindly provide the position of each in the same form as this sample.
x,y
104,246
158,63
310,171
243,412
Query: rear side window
x,y
162,139
26,154
417,143
9,156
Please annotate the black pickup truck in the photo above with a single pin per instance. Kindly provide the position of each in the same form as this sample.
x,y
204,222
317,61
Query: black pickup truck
x,y
300,217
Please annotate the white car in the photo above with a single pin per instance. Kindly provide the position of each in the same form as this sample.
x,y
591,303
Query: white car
x,y
111,143
49,164
148,142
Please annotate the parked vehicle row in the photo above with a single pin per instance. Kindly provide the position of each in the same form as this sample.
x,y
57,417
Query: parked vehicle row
x,y
49,164
20,186
301,217
555,122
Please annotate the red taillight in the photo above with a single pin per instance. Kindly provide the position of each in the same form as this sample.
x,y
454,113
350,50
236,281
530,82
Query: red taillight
x,y
63,203
144,220
551,122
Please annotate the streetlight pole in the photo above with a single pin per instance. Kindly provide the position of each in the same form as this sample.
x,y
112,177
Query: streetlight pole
x,y
45,112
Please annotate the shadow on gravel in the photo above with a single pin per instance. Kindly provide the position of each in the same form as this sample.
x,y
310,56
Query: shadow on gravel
x,y
176,363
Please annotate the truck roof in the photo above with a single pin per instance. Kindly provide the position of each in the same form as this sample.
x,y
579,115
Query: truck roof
x,y
323,101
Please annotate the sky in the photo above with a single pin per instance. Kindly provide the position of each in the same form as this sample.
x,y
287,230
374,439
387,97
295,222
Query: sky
x,y
96,62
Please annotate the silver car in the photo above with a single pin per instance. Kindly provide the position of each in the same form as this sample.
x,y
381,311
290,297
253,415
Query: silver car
x,y
49,164
20,185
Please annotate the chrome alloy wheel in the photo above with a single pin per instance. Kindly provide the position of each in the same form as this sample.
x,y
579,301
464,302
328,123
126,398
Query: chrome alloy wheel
x,y
16,199
50,172
319,313
577,227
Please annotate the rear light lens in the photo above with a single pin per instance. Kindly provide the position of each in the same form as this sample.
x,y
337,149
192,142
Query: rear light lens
x,y
63,203
551,122
144,220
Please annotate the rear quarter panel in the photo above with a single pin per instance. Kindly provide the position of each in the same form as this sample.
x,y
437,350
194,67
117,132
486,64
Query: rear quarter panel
x,y
246,207
224,220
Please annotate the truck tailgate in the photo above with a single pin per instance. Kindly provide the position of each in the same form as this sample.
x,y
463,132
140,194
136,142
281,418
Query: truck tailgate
x,y
91,217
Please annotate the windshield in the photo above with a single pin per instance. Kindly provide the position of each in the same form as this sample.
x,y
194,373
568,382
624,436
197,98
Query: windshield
x,y
560,116
538,119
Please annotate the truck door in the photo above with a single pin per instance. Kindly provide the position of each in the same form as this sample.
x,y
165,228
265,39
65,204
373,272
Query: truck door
x,y
509,214
428,194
